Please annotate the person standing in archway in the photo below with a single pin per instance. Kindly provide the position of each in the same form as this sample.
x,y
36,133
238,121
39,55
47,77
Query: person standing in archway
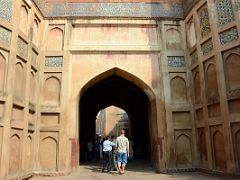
x,y
107,154
122,151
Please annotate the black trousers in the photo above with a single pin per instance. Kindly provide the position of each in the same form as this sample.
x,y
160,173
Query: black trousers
x,y
107,160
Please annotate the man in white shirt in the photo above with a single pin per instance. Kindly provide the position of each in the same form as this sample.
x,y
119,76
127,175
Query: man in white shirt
x,y
107,154
122,151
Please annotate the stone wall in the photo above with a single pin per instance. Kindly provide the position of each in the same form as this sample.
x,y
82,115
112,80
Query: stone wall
x,y
213,56
189,69
21,27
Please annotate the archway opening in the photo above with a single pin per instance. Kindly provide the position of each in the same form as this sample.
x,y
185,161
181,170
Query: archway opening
x,y
115,90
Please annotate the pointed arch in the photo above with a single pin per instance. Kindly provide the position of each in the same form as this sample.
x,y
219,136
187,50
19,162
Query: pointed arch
x,y
178,90
29,152
183,151
232,73
237,142
3,65
197,86
23,24
173,38
35,31
202,147
32,86
122,89
55,39
52,90
19,80
219,150
123,74
191,33
48,153
15,154
211,80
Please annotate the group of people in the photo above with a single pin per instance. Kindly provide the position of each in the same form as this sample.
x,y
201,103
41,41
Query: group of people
x,y
112,152
116,152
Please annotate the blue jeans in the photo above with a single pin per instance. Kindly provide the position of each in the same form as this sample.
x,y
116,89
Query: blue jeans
x,y
122,158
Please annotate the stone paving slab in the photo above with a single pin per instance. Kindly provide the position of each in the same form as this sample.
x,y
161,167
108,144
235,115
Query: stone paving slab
x,y
135,172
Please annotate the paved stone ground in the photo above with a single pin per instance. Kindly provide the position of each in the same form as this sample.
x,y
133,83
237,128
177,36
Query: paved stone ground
x,y
135,171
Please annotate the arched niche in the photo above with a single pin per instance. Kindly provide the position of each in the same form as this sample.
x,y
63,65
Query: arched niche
x,y
237,139
29,153
35,31
32,86
191,34
197,87
51,91
183,151
19,80
55,39
178,90
202,147
23,24
15,154
48,154
211,81
173,39
232,73
3,64
219,151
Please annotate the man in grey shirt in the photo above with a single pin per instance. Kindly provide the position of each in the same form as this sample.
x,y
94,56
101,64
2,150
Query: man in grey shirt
x,y
122,151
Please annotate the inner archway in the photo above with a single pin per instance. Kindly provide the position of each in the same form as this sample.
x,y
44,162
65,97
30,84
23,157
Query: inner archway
x,y
123,90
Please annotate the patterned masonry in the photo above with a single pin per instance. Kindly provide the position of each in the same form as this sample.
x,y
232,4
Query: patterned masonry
x,y
207,46
22,48
224,11
171,10
176,61
6,9
194,57
54,61
5,35
204,21
229,35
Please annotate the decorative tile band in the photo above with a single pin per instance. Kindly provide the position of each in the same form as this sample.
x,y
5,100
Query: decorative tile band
x,y
207,46
22,48
176,61
154,10
54,61
6,9
5,35
228,35
194,57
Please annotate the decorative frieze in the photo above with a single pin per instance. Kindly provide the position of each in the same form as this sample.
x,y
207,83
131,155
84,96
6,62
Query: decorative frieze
x,y
5,35
54,61
176,61
207,46
22,48
228,35
170,10
224,11
6,9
